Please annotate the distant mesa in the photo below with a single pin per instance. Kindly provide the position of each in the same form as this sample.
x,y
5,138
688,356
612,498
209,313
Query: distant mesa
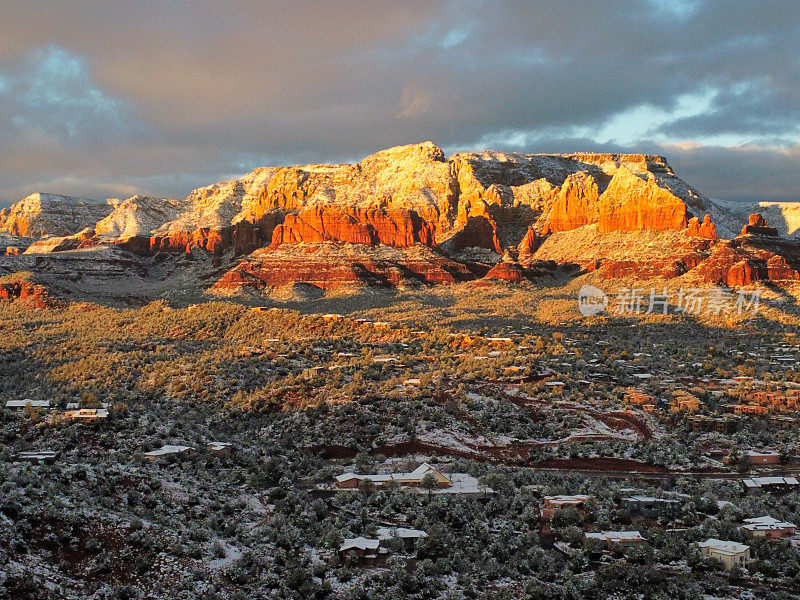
x,y
621,214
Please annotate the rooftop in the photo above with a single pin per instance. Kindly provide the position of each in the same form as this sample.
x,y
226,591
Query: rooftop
x,y
724,546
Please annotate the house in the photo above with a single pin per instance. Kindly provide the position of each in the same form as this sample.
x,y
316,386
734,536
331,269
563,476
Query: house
x,y
40,457
683,401
19,405
634,396
724,424
617,538
554,503
731,554
332,317
769,484
86,414
167,451
750,409
409,536
768,528
220,448
768,457
412,479
361,548
651,507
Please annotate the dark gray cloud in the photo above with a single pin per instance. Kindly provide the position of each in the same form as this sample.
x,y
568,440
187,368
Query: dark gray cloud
x,y
107,98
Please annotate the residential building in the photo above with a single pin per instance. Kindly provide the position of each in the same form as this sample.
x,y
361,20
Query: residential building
x,y
167,451
19,405
767,457
731,554
312,372
412,479
409,536
683,401
769,528
650,507
554,503
748,409
361,548
617,538
220,448
86,414
39,457
769,484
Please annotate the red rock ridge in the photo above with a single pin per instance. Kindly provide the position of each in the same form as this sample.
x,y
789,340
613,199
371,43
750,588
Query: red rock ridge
x,y
390,227
328,266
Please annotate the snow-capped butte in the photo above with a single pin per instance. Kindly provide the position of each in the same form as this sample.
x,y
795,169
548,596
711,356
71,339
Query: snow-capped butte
x,y
137,216
53,214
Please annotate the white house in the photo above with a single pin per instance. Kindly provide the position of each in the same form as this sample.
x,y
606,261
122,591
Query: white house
x,y
21,404
361,547
413,479
168,450
41,456
409,536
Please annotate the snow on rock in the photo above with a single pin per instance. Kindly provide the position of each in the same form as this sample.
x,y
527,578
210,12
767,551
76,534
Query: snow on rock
x,y
219,205
138,216
53,214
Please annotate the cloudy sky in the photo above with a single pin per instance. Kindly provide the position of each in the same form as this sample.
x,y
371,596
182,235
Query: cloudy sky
x,y
111,98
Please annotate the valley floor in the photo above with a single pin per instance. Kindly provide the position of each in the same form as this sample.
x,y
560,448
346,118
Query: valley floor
x,y
506,387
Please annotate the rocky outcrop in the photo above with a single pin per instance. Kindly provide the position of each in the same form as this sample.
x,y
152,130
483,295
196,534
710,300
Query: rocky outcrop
x,y
506,271
632,202
757,225
39,214
751,259
577,204
477,232
27,293
706,229
391,227
528,245
638,254
329,266
405,196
